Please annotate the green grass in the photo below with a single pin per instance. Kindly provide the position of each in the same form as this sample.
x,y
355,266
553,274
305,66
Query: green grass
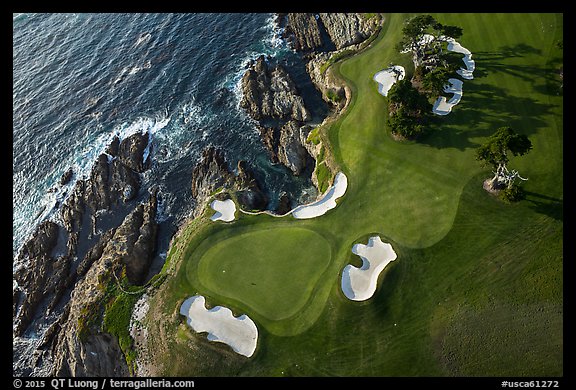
x,y
477,286
273,271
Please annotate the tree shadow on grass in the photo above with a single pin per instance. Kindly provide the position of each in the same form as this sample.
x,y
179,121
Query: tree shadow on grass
x,y
483,109
544,79
547,205
388,285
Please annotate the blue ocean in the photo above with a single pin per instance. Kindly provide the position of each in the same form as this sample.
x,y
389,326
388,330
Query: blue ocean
x,y
81,79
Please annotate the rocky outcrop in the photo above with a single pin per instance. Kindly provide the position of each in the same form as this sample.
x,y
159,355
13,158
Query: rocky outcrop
x,y
271,93
117,179
114,179
98,356
131,152
212,173
334,90
347,29
248,190
50,265
291,152
81,348
34,274
66,177
303,31
134,241
90,352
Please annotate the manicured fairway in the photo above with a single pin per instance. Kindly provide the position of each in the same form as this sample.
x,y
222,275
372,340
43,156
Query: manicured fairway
x,y
476,289
274,272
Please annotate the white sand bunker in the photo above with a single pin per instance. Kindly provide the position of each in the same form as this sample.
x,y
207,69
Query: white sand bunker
x,y
443,106
240,333
327,202
359,284
468,61
225,210
387,77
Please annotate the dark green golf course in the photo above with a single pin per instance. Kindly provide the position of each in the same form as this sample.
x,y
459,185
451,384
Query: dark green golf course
x,y
476,289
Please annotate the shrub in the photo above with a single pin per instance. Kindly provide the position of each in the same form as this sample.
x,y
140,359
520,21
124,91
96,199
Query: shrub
x,y
333,96
117,323
323,175
314,136
512,194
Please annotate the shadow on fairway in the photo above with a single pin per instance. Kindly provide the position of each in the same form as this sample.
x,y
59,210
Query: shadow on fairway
x,y
483,109
389,282
547,205
495,61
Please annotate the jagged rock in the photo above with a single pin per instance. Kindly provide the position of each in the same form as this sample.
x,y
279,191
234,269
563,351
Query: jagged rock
x,y
94,253
66,177
114,146
290,150
99,355
135,240
73,208
31,278
96,353
283,204
42,240
287,145
212,173
56,282
347,29
97,194
270,137
334,90
124,182
305,30
341,30
271,93
208,175
45,279
249,193
131,152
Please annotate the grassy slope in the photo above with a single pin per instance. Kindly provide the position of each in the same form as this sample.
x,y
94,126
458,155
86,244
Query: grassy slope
x,y
477,288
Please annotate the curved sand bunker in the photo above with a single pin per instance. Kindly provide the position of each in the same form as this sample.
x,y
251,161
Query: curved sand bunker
x,y
443,106
387,77
327,202
240,333
224,210
468,61
359,284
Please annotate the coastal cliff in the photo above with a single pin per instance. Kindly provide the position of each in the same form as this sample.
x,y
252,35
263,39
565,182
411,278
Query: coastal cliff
x,y
61,266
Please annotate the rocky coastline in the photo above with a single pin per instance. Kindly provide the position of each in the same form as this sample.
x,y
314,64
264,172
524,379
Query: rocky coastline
x,y
68,266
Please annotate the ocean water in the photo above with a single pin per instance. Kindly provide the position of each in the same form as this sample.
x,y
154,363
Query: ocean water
x,y
80,79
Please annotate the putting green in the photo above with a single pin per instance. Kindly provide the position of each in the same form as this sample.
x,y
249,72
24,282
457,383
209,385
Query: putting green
x,y
273,271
